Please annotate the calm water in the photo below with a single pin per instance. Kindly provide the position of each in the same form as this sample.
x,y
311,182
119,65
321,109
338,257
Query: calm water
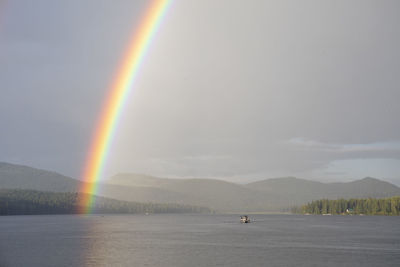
x,y
199,240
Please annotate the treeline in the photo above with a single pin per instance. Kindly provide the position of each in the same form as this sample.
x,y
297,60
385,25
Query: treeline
x,y
369,206
30,202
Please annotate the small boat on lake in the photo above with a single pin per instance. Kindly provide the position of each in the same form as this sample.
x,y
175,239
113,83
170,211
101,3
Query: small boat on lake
x,y
244,219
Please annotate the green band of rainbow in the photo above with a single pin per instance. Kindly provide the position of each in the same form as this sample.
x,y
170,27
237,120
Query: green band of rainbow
x,y
116,98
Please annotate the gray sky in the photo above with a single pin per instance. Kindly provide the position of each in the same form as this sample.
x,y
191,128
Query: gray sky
x,y
238,90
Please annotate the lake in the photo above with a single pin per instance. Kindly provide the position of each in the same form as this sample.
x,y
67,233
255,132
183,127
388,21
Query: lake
x,y
199,240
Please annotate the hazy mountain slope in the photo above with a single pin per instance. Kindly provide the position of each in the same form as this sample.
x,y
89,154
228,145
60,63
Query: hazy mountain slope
x,y
298,191
266,195
134,179
216,194
291,191
208,188
144,194
272,194
23,177
367,187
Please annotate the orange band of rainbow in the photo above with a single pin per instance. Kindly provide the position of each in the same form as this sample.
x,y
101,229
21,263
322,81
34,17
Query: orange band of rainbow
x,y
115,100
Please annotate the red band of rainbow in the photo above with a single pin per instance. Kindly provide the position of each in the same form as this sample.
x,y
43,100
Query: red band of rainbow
x,y
115,100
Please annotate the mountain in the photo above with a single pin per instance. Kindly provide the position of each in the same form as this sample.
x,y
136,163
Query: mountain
x,y
271,194
216,194
24,177
14,176
266,195
294,191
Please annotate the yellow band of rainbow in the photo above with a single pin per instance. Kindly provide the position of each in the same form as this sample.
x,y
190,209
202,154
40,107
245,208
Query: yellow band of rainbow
x,y
115,100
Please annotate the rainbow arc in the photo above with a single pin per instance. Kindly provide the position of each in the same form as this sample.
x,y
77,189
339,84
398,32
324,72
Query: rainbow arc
x,y
116,98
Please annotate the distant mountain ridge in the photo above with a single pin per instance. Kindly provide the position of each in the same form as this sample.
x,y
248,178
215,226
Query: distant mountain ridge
x,y
266,195
302,191
24,177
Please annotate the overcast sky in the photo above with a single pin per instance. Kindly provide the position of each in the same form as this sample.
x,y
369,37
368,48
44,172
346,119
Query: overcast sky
x,y
238,90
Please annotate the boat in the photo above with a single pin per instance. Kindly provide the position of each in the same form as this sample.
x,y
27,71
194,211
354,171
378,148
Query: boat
x,y
244,219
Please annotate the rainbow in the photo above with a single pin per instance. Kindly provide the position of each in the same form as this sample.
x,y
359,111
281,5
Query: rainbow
x,y
115,100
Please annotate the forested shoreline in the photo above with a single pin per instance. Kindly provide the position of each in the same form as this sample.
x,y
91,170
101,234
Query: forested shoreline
x,y
367,206
32,202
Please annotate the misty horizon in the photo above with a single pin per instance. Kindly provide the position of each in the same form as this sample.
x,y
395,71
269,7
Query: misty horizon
x,y
235,180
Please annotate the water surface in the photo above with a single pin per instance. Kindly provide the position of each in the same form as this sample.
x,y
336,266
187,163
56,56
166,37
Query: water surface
x,y
199,240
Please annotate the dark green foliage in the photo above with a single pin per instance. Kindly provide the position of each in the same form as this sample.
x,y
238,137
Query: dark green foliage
x,y
19,202
369,206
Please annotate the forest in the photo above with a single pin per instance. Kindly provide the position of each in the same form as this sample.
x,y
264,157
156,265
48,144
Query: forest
x,y
30,202
368,206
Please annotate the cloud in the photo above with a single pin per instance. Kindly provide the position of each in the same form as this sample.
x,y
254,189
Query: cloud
x,y
377,147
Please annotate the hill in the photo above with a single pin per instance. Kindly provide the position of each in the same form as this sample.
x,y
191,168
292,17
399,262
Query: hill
x,y
216,194
267,195
24,177
293,190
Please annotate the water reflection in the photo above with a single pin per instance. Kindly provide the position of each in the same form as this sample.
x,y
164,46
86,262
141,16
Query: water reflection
x,y
106,242
94,241
199,240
